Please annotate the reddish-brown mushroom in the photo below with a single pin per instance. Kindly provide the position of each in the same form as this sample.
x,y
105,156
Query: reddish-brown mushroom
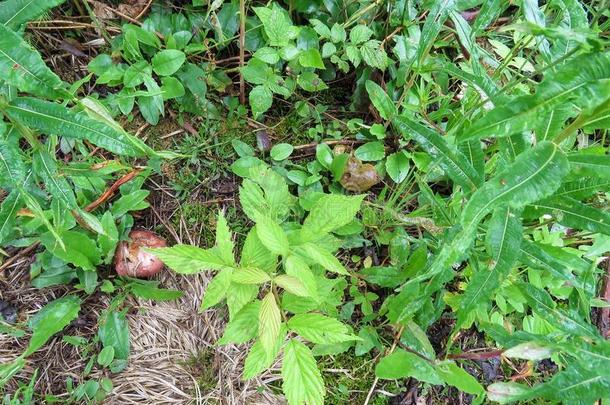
x,y
132,260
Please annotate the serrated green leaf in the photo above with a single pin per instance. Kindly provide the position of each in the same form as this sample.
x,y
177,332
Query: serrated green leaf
x,y
329,213
292,284
259,360
272,235
250,275
224,241
217,289
243,326
270,321
303,382
276,23
186,259
296,267
318,328
311,58
322,257
53,118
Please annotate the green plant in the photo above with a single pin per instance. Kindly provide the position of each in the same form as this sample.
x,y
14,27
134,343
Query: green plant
x,y
55,181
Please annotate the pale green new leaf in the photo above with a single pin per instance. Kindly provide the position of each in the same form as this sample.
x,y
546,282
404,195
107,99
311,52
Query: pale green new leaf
x,y
14,13
296,267
255,254
270,321
292,284
535,174
224,241
250,275
329,212
259,360
52,318
272,235
449,158
186,259
217,289
53,118
243,326
303,384
21,66
318,328
322,257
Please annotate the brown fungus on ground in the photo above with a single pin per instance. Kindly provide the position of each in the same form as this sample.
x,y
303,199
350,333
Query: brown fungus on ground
x,y
132,260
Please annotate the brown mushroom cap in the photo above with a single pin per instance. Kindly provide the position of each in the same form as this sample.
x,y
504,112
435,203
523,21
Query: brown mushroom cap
x,y
132,260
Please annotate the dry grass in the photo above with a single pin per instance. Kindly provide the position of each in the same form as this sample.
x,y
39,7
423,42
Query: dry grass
x,y
173,358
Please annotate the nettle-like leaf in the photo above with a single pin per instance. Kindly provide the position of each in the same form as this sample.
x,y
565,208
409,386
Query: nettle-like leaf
x,y
259,359
244,326
320,329
269,321
329,212
303,382
272,235
53,118
277,24
186,259
21,66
